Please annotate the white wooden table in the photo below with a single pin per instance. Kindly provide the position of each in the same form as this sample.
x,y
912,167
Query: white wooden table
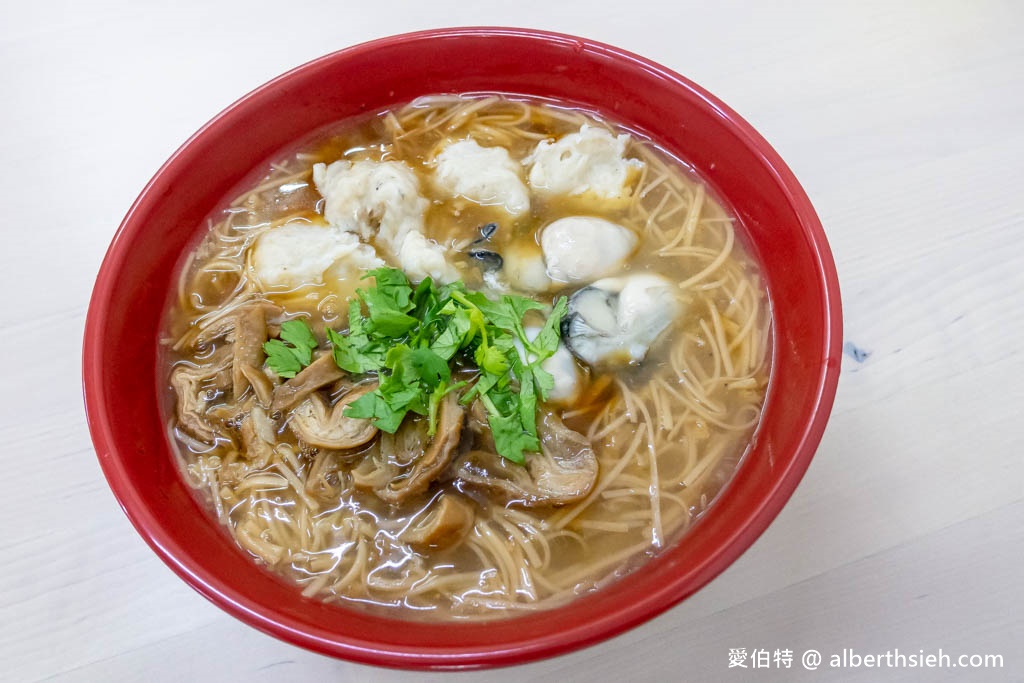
x,y
903,121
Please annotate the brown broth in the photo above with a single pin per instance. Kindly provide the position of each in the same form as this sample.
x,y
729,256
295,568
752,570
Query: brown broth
x,y
670,430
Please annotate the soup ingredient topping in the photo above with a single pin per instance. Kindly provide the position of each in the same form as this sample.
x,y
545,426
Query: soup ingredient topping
x,y
616,320
316,375
590,161
196,388
371,198
485,175
447,521
258,433
413,458
562,367
564,471
409,336
423,258
298,253
325,426
250,333
584,248
381,199
524,268
293,351
422,444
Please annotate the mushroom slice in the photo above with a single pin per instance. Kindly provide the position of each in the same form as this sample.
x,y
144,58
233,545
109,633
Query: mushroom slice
x,y
447,521
260,383
327,427
196,388
250,334
259,435
476,422
414,457
564,471
319,373
224,323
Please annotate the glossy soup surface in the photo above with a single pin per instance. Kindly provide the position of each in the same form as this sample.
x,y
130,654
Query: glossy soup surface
x,y
667,432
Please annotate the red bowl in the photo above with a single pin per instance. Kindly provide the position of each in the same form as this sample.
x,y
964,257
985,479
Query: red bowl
x,y
120,346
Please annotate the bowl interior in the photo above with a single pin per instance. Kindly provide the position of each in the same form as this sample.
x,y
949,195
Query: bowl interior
x,y
120,354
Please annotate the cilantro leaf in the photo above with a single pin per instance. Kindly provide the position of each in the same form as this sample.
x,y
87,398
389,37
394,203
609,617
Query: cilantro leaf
x,y
392,284
373,406
453,338
389,301
545,343
353,357
419,365
391,323
497,312
281,359
434,404
431,368
543,380
424,296
355,352
527,401
410,335
483,385
298,334
293,351
490,359
511,440
520,305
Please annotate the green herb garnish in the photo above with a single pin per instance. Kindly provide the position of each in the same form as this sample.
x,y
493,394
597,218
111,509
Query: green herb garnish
x,y
293,351
411,336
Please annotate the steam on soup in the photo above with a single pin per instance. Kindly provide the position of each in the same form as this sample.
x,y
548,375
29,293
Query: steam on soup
x,y
467,357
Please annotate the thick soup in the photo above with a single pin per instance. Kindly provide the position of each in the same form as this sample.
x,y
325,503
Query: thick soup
x,y
468,357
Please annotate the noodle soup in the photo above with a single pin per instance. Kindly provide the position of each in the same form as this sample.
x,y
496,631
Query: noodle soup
x,y
641,336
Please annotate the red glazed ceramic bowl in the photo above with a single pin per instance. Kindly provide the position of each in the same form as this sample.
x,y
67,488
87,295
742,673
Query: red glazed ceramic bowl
x,y
120,351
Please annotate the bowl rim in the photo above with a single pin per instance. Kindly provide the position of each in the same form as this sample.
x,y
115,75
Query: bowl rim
x,y
149,527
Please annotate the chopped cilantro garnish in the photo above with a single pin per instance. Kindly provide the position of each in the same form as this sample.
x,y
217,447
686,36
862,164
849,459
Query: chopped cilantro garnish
x,y
409,336
293,351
